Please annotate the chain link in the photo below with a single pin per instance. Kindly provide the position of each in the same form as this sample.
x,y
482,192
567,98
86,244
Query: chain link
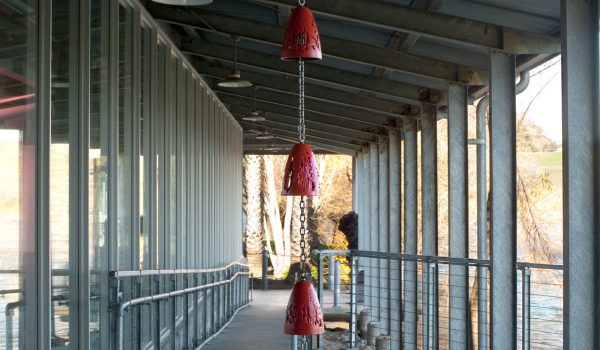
x,y
301,126
302,238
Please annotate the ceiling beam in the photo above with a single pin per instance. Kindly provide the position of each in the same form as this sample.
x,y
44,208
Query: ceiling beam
x,y
284,83
310,106
311,126
393,90
283,108
333,47
390,16
321,122
292,136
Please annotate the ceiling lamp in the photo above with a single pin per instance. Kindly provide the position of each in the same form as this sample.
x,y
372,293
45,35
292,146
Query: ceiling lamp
x,y
264,136
303,315
254,115
234,80
184,2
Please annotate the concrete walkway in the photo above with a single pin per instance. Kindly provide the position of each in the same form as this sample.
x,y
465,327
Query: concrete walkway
x,y
259,326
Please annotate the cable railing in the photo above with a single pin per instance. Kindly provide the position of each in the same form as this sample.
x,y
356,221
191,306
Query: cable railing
x,y
427,302
177,308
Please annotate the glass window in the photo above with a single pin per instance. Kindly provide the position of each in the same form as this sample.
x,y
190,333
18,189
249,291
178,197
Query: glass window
x,y
98,174
18,52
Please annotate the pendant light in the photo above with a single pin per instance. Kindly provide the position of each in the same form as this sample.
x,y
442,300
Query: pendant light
x,y
234,80
254,115
301,42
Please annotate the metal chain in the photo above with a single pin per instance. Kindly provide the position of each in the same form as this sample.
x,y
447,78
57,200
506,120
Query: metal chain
x,y
301,2
302,238
301,126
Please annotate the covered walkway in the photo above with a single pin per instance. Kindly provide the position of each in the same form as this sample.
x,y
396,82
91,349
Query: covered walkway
x,y
258,326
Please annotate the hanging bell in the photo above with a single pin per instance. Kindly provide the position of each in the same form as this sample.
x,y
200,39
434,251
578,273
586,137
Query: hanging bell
x,y
301,177
301,41
303,315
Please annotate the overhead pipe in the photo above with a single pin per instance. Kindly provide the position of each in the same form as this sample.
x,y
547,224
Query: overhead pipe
x,y
480,142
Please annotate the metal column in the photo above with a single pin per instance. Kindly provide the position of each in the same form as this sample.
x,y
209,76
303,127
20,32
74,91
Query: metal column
x,y
429,208
384,310
503,200
395,215
374,234
458,213
366,232
410,233
580,174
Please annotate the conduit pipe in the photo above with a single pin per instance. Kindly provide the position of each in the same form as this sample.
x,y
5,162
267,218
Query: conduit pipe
x,y
480,142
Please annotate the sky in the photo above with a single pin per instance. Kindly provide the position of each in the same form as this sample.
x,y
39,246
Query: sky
x,y
543,96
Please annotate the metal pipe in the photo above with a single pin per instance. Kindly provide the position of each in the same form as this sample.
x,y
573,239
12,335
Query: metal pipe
x,y
481,145
353,301
336,282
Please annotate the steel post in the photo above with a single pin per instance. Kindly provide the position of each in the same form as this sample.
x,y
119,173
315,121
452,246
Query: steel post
x,y
353,301
395,215
429,201
365,263
458,214
503,200
581,183
374,236
320,293
525,307
265,269
336,282
410,234
383,240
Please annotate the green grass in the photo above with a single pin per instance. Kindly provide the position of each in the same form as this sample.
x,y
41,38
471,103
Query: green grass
x,y
551,160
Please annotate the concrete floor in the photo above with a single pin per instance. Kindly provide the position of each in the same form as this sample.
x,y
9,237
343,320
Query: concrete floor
x,y
258,326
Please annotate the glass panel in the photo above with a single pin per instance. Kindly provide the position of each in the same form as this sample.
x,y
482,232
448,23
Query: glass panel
x,y
18,52
63,133
125,140
98,175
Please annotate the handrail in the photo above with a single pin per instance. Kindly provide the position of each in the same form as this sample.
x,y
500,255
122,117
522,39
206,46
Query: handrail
x,y
137,273
123,306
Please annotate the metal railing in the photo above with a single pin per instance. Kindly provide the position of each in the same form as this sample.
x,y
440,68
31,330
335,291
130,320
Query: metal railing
x,y
180,309
427,302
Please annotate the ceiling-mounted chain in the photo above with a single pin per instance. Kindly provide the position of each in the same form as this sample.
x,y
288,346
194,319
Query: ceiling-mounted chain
x,y
301,126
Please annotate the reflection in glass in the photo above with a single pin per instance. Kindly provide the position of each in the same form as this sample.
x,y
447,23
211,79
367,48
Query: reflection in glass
x,y
18,41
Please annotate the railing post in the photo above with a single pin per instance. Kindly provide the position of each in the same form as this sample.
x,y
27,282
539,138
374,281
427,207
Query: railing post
x,y
186,314
196,341
138,313
353,306
336,282
432,304
425,307
331,275
294,342
525,311
157,318
173,311
265,269
320,291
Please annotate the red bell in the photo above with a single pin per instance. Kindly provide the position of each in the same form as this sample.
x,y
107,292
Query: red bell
x,y
301,41
301,177
303,315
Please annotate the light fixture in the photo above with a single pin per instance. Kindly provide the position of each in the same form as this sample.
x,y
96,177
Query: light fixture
x,y
234,80
184,2
303,315
264,136
254,115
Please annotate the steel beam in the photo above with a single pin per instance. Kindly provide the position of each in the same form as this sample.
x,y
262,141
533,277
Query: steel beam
x,y
395,91
581,189
347,50
503,200
458,199
384,266
410,234
324,146
431,24
281,83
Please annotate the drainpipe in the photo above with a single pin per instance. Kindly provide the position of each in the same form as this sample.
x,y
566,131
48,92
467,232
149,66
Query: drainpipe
x,y
480,141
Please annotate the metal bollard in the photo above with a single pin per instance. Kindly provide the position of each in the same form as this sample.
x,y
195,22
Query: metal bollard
x,y
372,333
364,319
265,269
336,283
331,273
384,342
